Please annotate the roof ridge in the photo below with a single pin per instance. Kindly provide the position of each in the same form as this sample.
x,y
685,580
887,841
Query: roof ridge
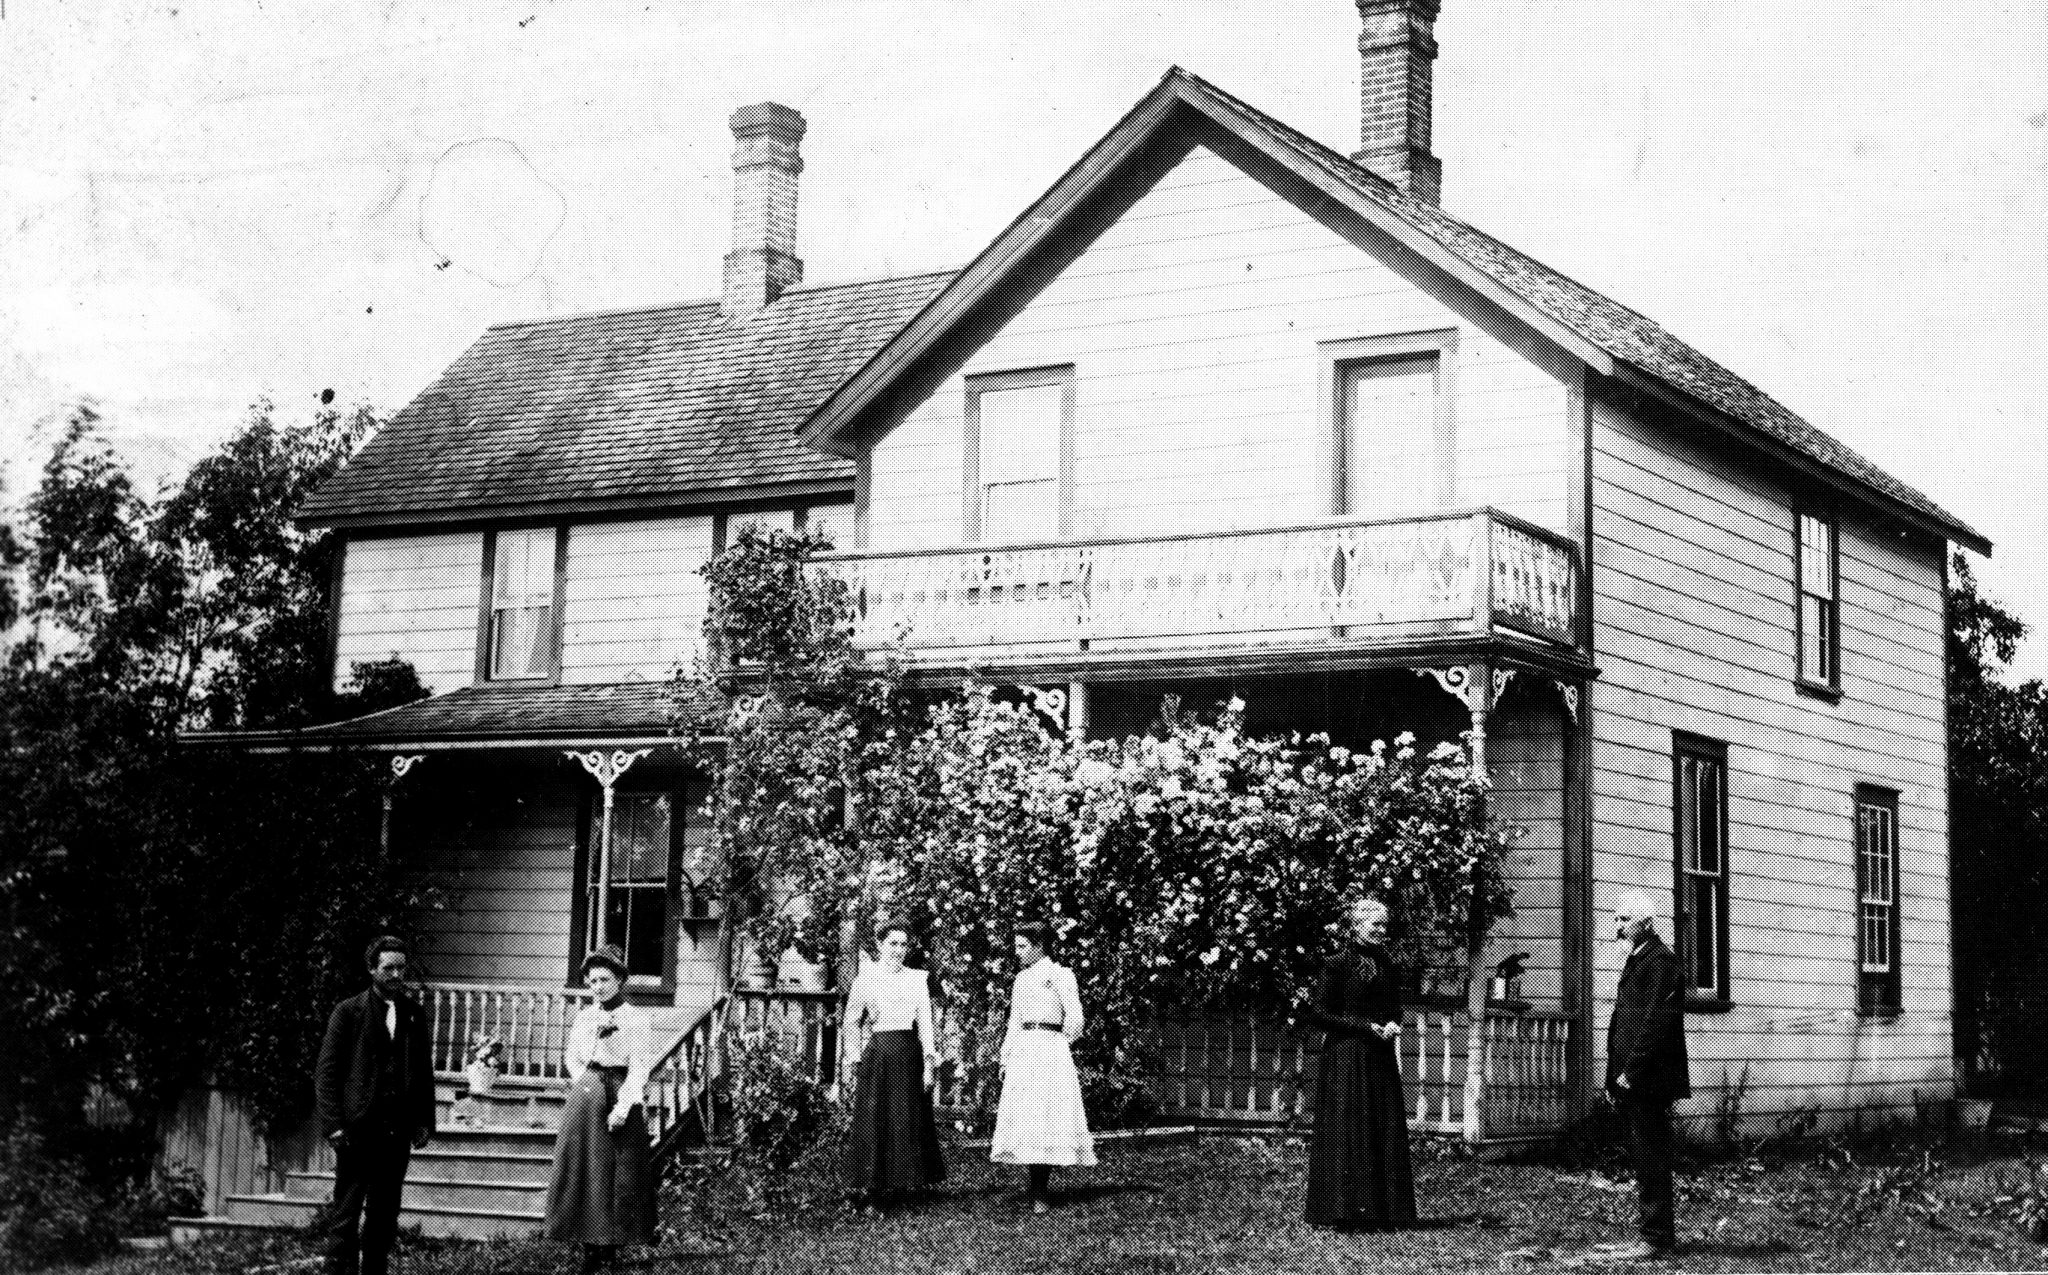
x,y
1387,190
806,289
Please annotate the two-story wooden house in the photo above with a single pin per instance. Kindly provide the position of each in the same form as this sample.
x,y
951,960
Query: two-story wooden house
x,y
1223,412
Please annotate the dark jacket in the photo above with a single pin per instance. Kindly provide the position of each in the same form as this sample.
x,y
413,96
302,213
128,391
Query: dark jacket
x,y
1646,1035
347,1083
1359,990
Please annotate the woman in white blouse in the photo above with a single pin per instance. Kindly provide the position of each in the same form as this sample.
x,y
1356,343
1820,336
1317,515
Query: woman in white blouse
x,y
601,1189
894,1146
1040,1121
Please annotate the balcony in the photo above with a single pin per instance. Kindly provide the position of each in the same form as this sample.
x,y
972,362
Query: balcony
x,y
1339,585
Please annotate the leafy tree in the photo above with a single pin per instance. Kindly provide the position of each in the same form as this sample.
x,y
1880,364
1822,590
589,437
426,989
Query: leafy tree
x,y
1998,798
169,911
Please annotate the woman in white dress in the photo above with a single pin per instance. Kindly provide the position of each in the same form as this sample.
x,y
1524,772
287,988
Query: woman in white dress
x,y
1040,1121
894,1147
601,1188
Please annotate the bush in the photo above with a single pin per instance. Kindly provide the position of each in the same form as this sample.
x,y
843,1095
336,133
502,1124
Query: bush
x,y
778,1109
1117,1095
173,1190
49,1211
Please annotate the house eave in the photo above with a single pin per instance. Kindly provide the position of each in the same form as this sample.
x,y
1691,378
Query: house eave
x,y
311,741
1655,387
450,517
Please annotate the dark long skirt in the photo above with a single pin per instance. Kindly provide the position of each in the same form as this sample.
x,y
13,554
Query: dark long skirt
x,y
1358,1171
894,1144
601,1190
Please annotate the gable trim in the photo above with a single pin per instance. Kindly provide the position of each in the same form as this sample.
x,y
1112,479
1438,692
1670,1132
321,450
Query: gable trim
x,y
832,425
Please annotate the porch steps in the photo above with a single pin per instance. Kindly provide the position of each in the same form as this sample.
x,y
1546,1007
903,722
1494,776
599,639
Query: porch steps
x,y
483,1177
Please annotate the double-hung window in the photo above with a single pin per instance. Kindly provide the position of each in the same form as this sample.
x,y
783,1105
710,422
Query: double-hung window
x,y
1877,900
1700,835
1019,454
520,624
1816,570
631,882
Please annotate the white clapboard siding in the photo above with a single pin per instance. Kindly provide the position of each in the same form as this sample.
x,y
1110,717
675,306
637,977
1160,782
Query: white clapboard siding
x,y
1694,630
1193,326
633,598
508,869
415,598
1525,758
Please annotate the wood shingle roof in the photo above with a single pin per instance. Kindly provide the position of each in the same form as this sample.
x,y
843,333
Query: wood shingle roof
x,y
622,410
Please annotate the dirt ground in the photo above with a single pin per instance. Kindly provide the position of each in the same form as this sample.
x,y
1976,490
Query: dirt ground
x,y
1232,1204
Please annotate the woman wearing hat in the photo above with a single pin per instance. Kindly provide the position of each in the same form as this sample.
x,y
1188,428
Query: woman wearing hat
x,y
601,1189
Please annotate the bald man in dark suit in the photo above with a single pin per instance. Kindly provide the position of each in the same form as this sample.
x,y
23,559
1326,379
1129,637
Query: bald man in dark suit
x,y
1646,1066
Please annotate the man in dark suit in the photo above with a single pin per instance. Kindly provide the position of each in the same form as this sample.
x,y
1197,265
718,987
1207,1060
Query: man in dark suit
x,y
1646,1065
374,1089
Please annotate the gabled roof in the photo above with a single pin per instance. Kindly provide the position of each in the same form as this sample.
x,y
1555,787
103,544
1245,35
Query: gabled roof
x,y
623,410
1609,337
504,715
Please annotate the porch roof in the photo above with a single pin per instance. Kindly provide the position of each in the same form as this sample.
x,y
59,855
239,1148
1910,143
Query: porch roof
x,y
502,716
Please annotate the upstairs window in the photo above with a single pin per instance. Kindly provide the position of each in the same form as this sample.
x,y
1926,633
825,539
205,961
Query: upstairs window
x,y
1391,448
1700,836
1019,454
521,639
1819,626
1877,901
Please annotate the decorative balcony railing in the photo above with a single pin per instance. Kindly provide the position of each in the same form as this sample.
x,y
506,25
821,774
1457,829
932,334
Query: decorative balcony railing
x,y
1458,573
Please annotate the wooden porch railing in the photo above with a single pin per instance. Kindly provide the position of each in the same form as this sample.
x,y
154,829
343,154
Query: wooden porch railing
x,y
680,1082
531,1024
1464,571
1242,1069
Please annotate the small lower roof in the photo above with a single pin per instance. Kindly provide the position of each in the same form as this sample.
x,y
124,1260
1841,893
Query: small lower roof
x,y
503,716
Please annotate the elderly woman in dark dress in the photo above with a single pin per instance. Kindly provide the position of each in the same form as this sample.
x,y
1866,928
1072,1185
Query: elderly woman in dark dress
x,y
1358,1171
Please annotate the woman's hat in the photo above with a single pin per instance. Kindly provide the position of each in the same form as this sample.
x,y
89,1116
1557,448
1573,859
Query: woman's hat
x,y
610,957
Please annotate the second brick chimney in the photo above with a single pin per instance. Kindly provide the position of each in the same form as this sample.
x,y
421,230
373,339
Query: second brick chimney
x,y
1395,49
765,165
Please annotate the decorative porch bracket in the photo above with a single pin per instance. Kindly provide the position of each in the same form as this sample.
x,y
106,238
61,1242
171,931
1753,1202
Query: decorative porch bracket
x,y
401,764
1050,702
1569,692
606,768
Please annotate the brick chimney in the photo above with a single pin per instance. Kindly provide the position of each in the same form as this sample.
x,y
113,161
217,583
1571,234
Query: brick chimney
x,y
765,164
1395,50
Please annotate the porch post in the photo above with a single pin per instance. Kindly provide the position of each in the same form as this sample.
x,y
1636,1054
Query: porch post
x,y
400,764
1476,686
1485,683
606,769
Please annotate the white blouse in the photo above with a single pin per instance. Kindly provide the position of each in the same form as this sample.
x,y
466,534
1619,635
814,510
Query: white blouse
x,y
893,1003
628,1044
1044,992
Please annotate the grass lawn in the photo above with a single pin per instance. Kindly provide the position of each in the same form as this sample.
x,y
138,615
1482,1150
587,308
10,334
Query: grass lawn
x,y
1232,1204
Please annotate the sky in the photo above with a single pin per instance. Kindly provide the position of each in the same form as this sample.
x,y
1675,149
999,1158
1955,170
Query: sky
x,y
201,203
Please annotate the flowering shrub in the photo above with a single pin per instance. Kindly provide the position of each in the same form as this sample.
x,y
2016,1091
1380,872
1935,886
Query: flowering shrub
x,y
1197,866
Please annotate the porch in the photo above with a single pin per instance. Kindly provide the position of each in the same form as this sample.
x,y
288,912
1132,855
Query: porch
x,y
1211,1069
